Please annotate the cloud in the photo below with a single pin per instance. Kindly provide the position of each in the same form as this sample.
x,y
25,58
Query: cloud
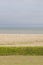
x,y
21,12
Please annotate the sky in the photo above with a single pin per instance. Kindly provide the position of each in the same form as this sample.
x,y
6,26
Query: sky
x,y
20,13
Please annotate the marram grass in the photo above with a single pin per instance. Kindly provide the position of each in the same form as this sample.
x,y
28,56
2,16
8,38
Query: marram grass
x,y
21,51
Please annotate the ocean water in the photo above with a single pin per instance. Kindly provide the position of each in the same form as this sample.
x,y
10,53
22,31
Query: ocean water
x,y
30,30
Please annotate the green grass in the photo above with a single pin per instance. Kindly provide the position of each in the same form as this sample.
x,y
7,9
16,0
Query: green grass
x,y
21,51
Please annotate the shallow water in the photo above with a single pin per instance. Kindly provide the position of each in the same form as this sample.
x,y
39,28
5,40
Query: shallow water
x,y
30,30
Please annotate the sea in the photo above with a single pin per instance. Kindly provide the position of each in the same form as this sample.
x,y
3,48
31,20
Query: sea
x,y
21,30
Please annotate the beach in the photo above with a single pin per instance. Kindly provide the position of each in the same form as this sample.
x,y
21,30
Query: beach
x,y
21,39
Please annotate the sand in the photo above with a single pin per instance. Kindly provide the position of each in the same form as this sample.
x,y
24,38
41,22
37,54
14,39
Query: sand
x,y
21,39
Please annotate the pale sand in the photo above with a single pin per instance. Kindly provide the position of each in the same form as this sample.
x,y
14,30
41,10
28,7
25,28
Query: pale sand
x,y
21,39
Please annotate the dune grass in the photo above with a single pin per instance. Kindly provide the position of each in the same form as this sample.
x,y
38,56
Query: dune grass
x,y
21,51
21,60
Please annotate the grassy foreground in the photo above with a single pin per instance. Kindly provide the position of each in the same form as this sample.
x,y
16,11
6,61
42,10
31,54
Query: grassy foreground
x,y
21,51
21,60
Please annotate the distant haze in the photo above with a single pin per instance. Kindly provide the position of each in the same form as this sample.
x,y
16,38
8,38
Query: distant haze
x,y
21,13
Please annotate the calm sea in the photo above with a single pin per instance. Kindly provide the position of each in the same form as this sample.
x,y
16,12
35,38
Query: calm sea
x,y
30,30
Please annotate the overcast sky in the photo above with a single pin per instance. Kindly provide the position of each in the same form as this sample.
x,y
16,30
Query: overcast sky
x,y
21,12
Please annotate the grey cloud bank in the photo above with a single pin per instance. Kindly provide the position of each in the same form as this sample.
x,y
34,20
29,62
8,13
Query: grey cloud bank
x,y
21,12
